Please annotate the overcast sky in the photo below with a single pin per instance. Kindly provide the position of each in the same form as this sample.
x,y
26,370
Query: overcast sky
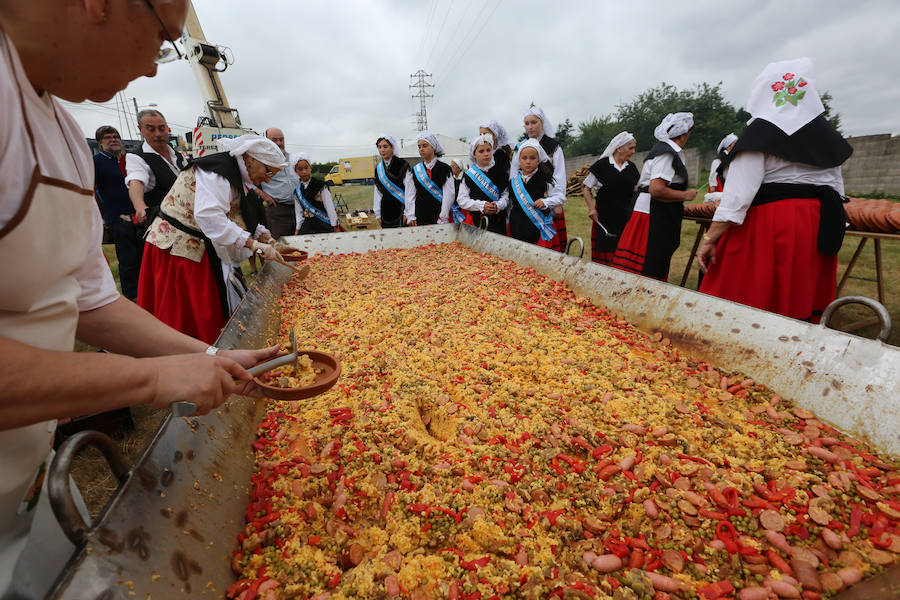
x,y
333,75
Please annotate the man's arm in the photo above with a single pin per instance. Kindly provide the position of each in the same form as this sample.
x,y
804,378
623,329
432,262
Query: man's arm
x,y
136,194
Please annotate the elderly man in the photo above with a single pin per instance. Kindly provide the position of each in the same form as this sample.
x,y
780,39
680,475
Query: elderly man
x,y
151,172
278,194
116,207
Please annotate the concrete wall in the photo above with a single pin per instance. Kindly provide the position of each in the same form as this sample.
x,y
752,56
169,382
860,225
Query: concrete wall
x,y
693,163
874,168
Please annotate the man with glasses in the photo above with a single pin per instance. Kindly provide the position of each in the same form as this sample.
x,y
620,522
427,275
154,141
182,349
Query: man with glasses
x,y
151,172
117,209
278,194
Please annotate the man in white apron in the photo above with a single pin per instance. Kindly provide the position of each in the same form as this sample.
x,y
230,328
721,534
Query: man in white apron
x,y
54,281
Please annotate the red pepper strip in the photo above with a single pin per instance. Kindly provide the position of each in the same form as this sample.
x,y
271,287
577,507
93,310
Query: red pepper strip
x,y
237,588
756,502
599,451
472,565
714,515
886,543
878,526
726,532
717,590
695,459
630,475
617,547
251,591
855,520
638,542
638,457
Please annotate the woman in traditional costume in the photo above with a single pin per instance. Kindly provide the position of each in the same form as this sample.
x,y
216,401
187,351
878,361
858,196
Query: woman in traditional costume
x,y
774,239
312,200
609,194
208,224
534,195
653,232
717,168
435,190
393,183
538,127
485,186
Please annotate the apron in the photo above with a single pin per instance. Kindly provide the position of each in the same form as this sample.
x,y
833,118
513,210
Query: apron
x,y
38,307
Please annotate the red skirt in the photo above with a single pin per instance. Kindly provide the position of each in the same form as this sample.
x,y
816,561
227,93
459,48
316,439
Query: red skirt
x,y
632,248
772,262
561,239
181,293
598,256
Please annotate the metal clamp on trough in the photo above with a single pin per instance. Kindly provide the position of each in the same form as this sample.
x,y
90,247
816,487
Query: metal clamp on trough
x,y
580,241
59,482
884,317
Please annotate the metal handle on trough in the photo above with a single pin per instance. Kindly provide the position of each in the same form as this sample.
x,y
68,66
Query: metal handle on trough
x,y
483,223
575,238
877,307
58,480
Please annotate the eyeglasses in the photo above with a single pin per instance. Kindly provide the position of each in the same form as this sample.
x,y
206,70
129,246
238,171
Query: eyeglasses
x,y
163,51
270,172
111,136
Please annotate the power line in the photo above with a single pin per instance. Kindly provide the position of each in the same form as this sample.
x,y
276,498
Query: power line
x,y
475,37
440,31
425,28
462,17
463,40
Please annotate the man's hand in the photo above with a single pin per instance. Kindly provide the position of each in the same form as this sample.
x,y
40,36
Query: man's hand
x,y
266,198
490,208
689,195
207,381
140,214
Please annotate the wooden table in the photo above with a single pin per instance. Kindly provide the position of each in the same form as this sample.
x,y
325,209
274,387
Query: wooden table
x,y
863,236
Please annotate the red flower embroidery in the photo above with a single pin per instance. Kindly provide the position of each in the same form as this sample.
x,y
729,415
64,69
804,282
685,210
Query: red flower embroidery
x,y
802,83
777,86
788,76
164,228
792,90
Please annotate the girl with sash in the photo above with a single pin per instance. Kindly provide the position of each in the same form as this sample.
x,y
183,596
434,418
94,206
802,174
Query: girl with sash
x,y
393,184
458,214
312,200
207,225
653,232
433,180
774,239
539,128
717,168
534,195
485,186
502,144
609,194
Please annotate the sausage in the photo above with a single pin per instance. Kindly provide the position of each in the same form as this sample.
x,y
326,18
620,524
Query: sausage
x,y
661,583
650,508
607,563
771,520
806,574
779,541
850,575
831,582
782,588
351,556
754,593
831,539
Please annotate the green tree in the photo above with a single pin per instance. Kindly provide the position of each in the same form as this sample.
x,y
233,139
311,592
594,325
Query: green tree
x,y
320,170
833,118
593,136
564,133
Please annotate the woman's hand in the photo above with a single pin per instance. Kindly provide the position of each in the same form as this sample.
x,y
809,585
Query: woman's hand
x,y
592,214
706,255
490,208
539,204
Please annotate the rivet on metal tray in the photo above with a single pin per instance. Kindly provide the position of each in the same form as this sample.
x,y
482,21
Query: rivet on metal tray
x,y
178,456
167,478
783,338
735,330
795,338
147,479
106,595
718,313
825,392
181,518
755,326
180,566
836,384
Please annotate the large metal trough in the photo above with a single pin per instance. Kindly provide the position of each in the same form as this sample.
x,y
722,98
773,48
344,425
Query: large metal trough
x,y
169,530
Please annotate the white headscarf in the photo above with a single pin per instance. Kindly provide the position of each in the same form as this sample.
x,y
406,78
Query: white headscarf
x,y
459,163
622,139
533,143
726,141
296,157
785,94
431,139
537,111
501,137
390,140
262,149
478,140
673,125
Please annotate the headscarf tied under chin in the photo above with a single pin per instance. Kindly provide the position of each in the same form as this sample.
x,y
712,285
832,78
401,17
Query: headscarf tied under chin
x,y
549,129
390,140
726,141
296,157
262,149
479,140
622,139
432,141
674,125
533,143
501,137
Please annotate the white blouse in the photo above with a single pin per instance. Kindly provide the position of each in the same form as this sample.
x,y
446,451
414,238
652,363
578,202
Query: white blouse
x,y
409,191
212,202
750,169
137,169
558,160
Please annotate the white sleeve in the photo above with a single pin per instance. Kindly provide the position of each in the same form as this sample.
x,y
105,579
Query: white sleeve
x,y
465,201
745,175
261,229
591,182
447,200
298,211
96,281
137,169
212,201
376,203
410,192
503,202
713,182
662,168
559,174
554,198
329,206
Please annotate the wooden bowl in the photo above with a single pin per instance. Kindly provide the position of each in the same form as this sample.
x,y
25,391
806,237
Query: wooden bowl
x,y
331,370
298,256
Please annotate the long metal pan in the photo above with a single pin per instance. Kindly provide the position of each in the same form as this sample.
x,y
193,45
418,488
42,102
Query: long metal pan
x,y
169,530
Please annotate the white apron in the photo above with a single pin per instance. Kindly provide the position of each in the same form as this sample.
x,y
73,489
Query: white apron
x,y
38,306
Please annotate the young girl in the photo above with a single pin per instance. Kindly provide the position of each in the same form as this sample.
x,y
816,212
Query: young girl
x,y
609,193
485,185
539,128
534,196
393,184
312,200
435,190
502,144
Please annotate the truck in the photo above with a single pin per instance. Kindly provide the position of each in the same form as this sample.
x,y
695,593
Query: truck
x,y
358,170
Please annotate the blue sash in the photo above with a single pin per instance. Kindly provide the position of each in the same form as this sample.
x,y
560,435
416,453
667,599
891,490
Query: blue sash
x,y
543,223
422,175
456,211
322,216
484,183
389,185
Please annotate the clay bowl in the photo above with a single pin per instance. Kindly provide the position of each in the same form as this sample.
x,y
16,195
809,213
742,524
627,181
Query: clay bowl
x,y
893,218
331,370
881,214
852,210
296,256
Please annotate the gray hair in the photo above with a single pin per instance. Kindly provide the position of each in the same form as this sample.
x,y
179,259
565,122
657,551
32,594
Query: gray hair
x,y
149,112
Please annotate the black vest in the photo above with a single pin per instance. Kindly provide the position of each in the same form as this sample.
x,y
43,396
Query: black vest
x,y
817,143
664,235
222,163
428,209
520,226
391,209
162,172
549,145
615,198
499,176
